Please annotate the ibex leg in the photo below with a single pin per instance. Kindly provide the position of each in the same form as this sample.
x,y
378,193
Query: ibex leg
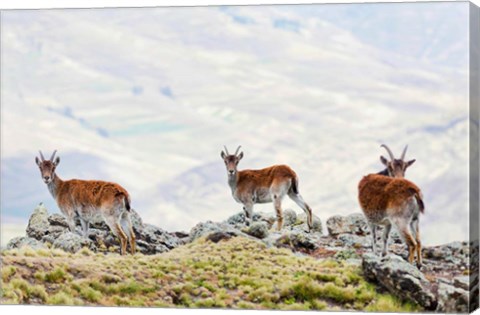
x,y
404,228
278,209
373,229
386,232
84,224
117,230
71,224
248,208
297,198
126,224
415,228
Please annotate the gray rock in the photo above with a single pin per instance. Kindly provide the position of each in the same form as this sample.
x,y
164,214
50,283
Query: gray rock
x,y
216,237
355,241
239,218
54,229
71,242
150,248
258,230
155,235
208,227
297,241
451,299
58,225
351,224
57,219
289,217
400,278
462,282
453,252
22,241
317,223
137,222
38,223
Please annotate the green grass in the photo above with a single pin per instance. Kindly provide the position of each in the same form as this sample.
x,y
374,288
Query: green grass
x,y
238,273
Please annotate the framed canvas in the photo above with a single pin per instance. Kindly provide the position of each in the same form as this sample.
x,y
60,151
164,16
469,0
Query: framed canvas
x,y
319,157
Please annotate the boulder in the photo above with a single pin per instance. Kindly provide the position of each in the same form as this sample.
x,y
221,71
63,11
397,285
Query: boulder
x,y
355,241
54,229
351,224
452,299
239,218
258,230
38,223
462,282
400,278
57,219
22,241
297,241
157,236
456,253
216,237
209,227
72,242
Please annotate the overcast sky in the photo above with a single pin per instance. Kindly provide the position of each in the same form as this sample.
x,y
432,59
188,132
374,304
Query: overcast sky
x,y
148,97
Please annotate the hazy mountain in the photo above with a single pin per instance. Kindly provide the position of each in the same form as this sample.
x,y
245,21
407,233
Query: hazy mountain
x,y
148,97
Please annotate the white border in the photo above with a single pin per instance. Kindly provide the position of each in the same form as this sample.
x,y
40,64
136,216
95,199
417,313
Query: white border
x,y
48,4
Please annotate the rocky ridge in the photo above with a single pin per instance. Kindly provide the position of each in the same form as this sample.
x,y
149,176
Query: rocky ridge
x,y
443,283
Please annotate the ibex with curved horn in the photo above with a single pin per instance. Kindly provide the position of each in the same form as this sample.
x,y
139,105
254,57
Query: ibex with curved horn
x,y
387,198
395,167
266,185
89,200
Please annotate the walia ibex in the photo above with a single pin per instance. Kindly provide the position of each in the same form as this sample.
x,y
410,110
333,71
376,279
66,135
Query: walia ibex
x,y
395,167
89,200
266,185
393,200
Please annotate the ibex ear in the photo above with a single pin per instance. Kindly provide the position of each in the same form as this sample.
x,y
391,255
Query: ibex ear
x,y
240,156
383,160
37,161
410,162
57,161
223,155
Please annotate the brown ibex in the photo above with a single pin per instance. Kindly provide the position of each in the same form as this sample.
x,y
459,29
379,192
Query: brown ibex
x,y
393,200
89,200
266,185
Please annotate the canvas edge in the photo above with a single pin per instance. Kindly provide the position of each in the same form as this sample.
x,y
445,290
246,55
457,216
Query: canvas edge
x,y
474,91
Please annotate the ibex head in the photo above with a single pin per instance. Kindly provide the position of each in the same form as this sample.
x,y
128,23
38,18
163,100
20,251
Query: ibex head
x,y
396,167
47,167
231,160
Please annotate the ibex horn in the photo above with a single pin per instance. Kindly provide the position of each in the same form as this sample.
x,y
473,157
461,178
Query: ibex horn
x,y
226,150
41,155
53,155
389,151
238,149
404,151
